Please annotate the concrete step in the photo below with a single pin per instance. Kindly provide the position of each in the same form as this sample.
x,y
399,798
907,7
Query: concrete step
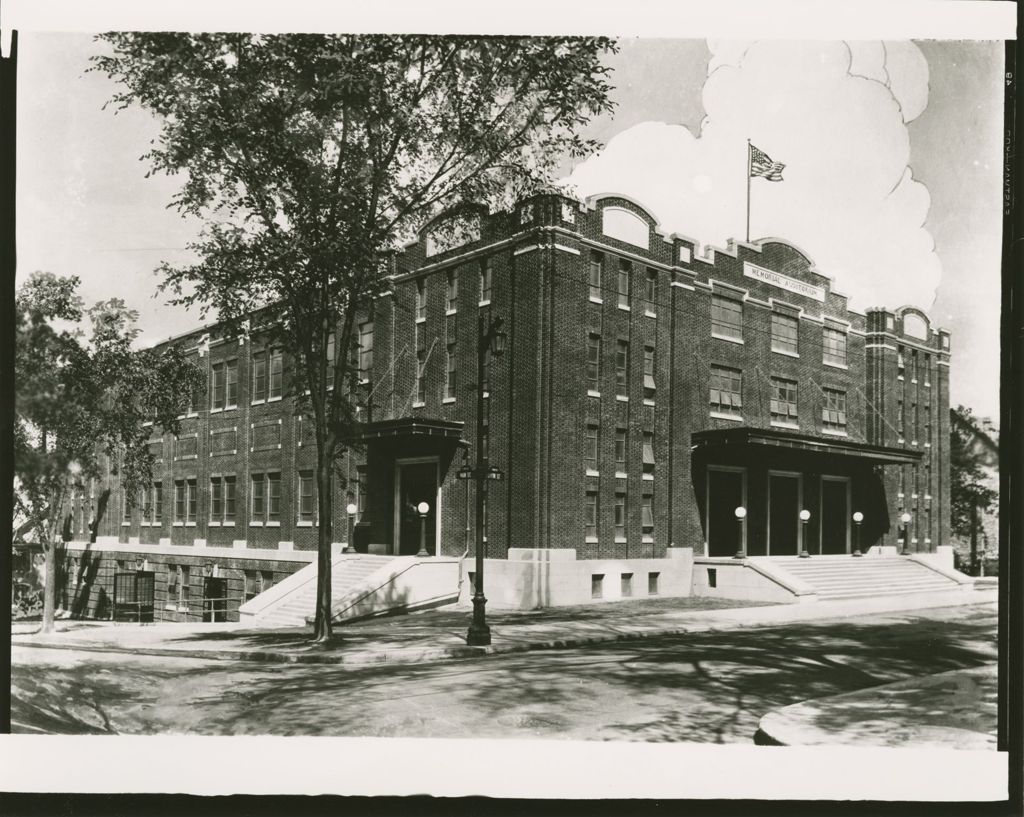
x,y
923,581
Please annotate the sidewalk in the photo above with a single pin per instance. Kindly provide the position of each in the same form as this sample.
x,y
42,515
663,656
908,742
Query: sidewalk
x,y
440,635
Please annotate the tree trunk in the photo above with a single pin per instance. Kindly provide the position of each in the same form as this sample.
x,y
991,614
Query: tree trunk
x,y
49,584
974,538
322,628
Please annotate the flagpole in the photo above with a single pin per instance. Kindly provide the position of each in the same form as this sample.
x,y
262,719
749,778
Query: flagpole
x,y
748,191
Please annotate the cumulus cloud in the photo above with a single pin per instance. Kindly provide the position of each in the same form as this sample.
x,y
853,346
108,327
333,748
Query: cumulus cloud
x,y
836,114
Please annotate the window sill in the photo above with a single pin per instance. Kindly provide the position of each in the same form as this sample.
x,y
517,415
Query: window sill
x,y
913,442
418,405
649,314
833,433
621,475
126,524
448,400
842,366
625,308
785,352
274,523
900,495
728,338
899,377
592,393
620,540
622,398
594,300
421,320
927,385
255,523
592,473
927,445
647,540
927,496
590,540
485,302
914,381
778,424
648,477
717,415
449,312
901,441
187,457
304,523
648,401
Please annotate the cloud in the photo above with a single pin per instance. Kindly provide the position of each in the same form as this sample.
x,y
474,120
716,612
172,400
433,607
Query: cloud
x,y
836,114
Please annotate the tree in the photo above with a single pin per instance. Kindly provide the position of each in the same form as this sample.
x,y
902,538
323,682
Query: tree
x,y
308,157
968,493
80,406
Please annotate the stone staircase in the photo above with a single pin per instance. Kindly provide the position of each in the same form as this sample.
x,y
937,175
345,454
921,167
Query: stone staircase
x,y
299,599
848,577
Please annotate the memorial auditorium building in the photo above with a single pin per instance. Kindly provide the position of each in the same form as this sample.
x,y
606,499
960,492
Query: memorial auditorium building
x,y
668,419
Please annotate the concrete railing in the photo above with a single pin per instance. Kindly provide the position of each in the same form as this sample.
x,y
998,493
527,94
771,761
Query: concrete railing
x,y
404,583
284,588
749,580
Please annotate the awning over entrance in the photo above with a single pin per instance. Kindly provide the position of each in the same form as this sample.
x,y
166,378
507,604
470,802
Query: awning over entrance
x,y
877,454
413,427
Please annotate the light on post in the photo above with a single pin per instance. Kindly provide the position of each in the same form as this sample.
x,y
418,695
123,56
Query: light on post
x,y
858,517
423,509
805,517
741,515
351,510
905,519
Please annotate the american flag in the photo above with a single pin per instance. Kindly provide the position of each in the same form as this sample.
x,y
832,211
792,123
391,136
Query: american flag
x,y
762,165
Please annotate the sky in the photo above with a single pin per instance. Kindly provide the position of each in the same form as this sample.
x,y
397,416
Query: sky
x,y
892,182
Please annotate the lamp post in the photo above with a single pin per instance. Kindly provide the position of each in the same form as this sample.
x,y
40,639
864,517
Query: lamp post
x,y
741,514
805,516
905,519
351,509
490,340
423,509
858,517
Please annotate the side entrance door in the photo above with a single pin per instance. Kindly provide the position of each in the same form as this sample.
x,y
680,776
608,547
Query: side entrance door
x,y
835,515
726,492
783,514
417,482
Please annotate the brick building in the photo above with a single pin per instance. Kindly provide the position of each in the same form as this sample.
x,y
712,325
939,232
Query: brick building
x,y
648,390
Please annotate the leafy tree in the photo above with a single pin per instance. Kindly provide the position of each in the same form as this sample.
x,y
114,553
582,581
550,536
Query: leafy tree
x,y
81,406
968,493
309,157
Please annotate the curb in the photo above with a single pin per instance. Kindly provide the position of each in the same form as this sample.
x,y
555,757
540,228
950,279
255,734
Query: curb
x,y
420,655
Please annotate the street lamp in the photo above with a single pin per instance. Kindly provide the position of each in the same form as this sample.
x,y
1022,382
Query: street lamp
x,y
905,519
741,514
351,509
490,339
423,509
858,517
805,516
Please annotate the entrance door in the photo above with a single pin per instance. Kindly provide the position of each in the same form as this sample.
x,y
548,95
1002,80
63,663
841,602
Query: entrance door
x,y
835,515
215,602
725,494
783,514
417,482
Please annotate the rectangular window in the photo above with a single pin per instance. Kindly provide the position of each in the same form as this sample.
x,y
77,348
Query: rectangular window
x,y
913,363
173,580
626,585
307,497
648,452
194,395
917,422
421,299
229,499
647,514
158,502
594,362
251,584
452,291
225,384
365,349
596,270
625,273
901,362
222,499
590,515
183,581
783,401
259,376
258,492
126,511
726,317
834,346
192,502
620,449
593,441
726,391
833,412
276,373
785,333
450,377
421,376
179,501
597,586
273,497
486,278
360,490
649,387
622,368
217,392
332,346
620,514
652,584
651,290
901,416
928,425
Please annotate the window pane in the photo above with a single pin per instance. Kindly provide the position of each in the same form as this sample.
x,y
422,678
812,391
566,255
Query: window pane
x,y
596,264
726,317
258,492
274,496
231,369
216,499
276,373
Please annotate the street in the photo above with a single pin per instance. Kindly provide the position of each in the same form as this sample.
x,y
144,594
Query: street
x,y
711,687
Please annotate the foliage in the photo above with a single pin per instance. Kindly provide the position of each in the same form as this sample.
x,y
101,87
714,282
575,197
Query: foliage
x,y
967,488
82,404
309,157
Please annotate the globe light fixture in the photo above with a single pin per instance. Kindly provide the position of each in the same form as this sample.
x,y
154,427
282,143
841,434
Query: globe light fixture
x,y
805,517
905,519
351,510
741,514
423,509
858,517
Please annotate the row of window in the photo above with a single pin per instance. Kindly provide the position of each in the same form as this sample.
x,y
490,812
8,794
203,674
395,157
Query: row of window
x,y
726,398
623,281
920,365
592,515
915,424
727,322
485,278
593,448
593,368
264,500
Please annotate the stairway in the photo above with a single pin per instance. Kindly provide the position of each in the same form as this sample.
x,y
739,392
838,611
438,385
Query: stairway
x,y
347,571
848,577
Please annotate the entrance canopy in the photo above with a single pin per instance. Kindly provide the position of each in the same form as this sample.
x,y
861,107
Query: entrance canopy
x,y
413,427
776,438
